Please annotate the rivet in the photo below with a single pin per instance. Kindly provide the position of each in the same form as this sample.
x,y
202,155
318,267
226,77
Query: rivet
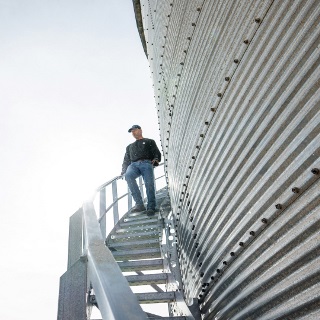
x,y
187,177
201,135
189,38
278,206
193,157
185,51
160,65
252,233
193,227
206,123
264,220
246,41
171,4
179,75
213,109
315,171
212,277
225,263
257,20
232,254
227,78
193,24
219,94
241,244
200,295
168,15
198,254
191,218
198,9
295,190
218,270
204,285
236,61
201,274
203,290
195,236
190,167
182,63
197,244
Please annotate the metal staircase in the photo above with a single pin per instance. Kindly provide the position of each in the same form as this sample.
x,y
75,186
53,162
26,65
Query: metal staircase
x,y
144,247
136,244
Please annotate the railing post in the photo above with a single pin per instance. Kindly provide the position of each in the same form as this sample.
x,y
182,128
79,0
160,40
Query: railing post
x,y
103,223
141,187
115,198
75,246
129,199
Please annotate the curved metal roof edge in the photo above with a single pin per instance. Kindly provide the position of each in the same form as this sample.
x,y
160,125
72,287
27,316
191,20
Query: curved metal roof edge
x,y
138,15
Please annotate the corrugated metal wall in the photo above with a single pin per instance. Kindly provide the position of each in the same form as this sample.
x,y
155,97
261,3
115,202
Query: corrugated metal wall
x,y
237,94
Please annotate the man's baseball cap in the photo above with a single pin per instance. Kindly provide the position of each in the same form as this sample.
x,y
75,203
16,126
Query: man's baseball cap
x,y
135,126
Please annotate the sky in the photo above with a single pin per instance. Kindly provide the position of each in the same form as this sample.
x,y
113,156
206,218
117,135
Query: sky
x,y
73,79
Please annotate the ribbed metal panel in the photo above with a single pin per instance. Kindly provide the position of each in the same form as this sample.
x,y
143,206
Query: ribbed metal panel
x,y
237,93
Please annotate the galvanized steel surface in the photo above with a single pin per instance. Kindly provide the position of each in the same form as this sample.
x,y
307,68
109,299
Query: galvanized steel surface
x,y
237,93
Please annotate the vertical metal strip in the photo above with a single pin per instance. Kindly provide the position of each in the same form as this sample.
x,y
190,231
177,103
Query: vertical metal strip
x,y
115,201
75,245
141,187
129,199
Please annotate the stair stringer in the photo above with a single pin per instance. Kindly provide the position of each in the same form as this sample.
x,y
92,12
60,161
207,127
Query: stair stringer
x,y
169,253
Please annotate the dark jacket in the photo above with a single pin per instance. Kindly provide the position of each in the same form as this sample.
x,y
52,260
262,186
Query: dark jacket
x,y
143,149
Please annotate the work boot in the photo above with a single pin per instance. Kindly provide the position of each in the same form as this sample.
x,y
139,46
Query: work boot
x,y
138,208
150,212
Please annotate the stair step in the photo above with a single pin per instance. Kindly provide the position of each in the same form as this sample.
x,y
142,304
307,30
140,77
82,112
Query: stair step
x,y
154,264
147,253
140,222
149,243
155,297
128,228
139,218
140,235
167,318
136,214
137,280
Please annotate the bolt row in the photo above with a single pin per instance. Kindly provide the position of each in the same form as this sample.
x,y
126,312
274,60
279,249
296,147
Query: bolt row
x,y
242,244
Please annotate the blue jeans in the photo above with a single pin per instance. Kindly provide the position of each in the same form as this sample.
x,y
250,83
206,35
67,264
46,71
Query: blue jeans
x,y
142,168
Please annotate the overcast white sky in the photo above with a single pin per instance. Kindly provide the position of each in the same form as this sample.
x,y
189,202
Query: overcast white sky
x,y
73,79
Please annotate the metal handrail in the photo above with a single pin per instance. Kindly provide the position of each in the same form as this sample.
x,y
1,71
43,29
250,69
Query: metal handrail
x,y
119,198
103,271
103,209
105,275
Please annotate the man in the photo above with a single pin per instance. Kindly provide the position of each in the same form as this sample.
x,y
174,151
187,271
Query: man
x,y
139,160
